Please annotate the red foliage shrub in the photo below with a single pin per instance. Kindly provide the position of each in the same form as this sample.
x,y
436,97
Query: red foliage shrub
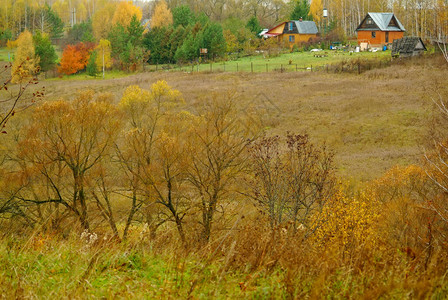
x,y
75,58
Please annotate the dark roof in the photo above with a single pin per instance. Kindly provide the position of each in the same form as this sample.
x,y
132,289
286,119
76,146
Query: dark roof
x,y
383,21
407,45
306,27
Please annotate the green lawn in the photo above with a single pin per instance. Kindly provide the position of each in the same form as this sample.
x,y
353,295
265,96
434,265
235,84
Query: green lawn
x,y
299,61
4,54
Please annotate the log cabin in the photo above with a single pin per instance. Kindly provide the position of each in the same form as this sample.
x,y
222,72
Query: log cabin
x,y
408,47
379,29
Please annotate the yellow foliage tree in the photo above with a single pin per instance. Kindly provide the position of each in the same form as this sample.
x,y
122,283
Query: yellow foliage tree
x,y
64,145
162,15
316,10
347,222
103,59
102,20
403,193
25,62
152,152
124,13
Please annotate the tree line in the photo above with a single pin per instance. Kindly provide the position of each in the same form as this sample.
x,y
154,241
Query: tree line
x,y
424,18
114,36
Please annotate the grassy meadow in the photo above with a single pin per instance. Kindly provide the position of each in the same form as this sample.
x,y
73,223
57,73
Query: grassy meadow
x,y
378,240
289,62
373,121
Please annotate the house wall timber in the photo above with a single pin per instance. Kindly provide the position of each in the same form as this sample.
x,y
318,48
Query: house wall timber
x,y
378,29
298,38
380,38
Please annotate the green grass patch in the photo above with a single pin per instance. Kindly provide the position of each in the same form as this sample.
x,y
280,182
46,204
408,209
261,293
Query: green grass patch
x,y
71,269
6,54
298,61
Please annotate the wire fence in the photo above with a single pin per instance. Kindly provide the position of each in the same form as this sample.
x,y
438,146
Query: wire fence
x,y
348,66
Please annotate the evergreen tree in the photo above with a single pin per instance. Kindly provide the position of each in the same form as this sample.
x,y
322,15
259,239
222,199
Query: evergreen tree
x,y
91,67
189,49
301,10
56,24
44,50
254,26
118,39
81,32
213,39
135,32
157,43
5,35
183,16
176,40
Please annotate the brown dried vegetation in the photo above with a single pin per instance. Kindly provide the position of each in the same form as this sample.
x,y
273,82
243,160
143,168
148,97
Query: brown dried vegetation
x,y
198,177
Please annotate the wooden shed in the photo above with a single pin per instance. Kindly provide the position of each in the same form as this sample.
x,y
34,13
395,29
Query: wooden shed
x,y
294,32
379,29
408,46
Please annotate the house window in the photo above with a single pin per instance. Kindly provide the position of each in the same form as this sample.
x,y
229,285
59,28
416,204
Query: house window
x,y
369,21
291,24
291,39
373,34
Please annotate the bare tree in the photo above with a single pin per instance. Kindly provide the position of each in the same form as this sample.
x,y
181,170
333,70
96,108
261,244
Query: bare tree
x,y
14,98
217,156
291,182
443,49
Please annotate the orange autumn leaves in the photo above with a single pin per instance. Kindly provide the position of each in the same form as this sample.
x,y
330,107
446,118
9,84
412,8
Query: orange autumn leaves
x,y
75,58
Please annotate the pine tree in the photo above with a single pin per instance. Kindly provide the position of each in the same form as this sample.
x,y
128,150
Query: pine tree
x,y
56,24
91,67
44,51
253,25
301,10
182,16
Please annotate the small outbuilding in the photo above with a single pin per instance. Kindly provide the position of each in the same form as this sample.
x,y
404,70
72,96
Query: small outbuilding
x,y
294,32
379,29
408,47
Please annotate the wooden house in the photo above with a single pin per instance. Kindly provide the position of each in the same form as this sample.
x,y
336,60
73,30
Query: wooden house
x,y
294,32
408,46
379,29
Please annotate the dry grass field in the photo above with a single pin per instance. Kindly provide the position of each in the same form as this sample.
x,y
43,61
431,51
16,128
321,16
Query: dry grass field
x,y
380,234
372,121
